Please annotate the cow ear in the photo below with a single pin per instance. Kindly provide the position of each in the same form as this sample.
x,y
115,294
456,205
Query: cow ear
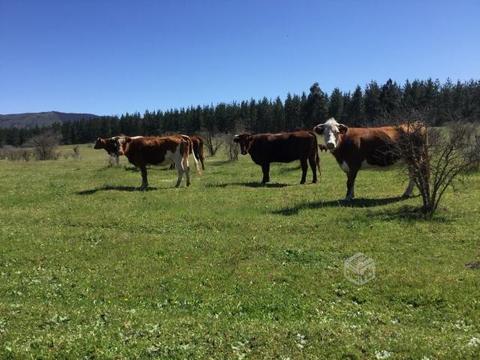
x,y
342,128
319,129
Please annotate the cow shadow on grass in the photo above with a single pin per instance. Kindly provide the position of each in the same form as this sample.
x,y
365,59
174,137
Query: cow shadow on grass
x,y
113,188
356,203
250,184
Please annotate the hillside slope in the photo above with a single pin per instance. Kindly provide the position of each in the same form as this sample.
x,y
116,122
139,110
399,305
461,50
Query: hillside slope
x,y
40,119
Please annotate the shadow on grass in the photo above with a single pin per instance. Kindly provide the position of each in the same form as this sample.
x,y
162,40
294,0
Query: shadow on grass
x,y
250,184
220,162
288,169
356,203
113,188
408,213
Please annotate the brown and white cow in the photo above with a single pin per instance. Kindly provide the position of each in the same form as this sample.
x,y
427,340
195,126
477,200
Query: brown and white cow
x,y
282,147
197,148
154,150
358,148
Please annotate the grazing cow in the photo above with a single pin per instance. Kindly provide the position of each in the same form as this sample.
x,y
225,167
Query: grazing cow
x,y
153,150
283,147
358,148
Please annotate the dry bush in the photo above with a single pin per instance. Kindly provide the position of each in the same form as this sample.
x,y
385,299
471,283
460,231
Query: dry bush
x,y
74,154
212,143
45,145
435,157
232,147
15,154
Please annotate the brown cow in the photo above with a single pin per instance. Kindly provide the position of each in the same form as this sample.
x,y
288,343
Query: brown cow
x,y
153,150
358,148
283,147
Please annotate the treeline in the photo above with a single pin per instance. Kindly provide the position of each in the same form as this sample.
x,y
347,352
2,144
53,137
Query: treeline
x,y
371,105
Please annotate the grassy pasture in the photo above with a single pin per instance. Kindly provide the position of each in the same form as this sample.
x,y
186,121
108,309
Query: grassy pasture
x,y
90,268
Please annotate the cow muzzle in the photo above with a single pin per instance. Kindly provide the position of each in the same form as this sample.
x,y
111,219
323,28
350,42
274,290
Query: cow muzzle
x,y
330,146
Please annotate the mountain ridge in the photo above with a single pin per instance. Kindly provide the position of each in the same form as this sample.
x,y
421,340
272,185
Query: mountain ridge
x,y
41,119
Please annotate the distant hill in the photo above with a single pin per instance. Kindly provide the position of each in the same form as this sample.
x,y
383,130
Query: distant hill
x,y
28,120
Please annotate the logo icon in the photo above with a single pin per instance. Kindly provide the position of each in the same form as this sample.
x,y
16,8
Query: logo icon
x,y
359,269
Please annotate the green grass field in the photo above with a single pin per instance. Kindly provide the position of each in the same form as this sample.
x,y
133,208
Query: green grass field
x,y
229,269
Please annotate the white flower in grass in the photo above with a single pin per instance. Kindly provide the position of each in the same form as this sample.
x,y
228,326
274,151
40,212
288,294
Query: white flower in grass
x,y
474,342
384,354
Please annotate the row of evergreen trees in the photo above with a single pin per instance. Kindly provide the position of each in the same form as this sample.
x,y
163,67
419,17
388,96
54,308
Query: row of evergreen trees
x,y
362,107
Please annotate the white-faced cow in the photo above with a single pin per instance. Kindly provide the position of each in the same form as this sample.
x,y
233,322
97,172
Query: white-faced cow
x,y
357,148
283,147
153,150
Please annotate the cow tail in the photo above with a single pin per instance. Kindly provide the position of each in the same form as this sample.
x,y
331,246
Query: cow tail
x,y
197,166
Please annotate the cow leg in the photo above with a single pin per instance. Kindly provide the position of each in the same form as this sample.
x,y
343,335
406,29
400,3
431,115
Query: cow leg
x,y
143,169
186,167
313,165
351,175
201,161
303,163
180,172
266,173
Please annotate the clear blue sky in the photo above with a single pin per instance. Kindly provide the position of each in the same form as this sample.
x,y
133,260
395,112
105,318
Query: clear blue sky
x,y
113,56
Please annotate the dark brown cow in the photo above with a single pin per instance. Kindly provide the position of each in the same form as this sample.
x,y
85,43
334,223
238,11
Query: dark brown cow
x,y
358,148
153,150
283,147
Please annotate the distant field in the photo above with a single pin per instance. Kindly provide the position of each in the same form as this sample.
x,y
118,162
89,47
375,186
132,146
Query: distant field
x,y
228,269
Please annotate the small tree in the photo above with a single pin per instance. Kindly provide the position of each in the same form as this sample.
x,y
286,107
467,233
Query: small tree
x,y
212,142
436,156
45,145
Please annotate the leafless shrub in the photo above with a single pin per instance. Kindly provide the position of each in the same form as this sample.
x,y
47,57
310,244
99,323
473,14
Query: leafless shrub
x,y
15,154
436,156
76,152
45,145
212,143
232,147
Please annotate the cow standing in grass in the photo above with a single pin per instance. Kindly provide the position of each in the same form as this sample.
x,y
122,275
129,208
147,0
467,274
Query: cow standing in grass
x,y
153,150
359,148
282,147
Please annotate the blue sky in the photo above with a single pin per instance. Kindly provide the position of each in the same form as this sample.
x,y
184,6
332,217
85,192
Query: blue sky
x,y
114,56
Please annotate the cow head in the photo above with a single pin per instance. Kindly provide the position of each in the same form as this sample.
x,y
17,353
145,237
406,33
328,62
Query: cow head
x,y
110,145
331,131
245,141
